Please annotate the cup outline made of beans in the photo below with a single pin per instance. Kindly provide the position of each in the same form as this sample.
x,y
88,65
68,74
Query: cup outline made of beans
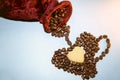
x,y
87,69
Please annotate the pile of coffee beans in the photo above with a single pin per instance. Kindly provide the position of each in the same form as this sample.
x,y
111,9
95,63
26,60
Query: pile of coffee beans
x,y
61,32
57,18
87,69
58,29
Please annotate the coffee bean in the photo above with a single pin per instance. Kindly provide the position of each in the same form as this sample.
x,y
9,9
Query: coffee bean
x,y
100,57
96,59
108,45
63,49
92,75
107,51
104,36
108,40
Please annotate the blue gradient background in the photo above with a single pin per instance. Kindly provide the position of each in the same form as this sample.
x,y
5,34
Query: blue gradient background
x,y
26,50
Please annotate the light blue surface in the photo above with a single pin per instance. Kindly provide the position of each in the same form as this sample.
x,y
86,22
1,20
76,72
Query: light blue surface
x,y
26,50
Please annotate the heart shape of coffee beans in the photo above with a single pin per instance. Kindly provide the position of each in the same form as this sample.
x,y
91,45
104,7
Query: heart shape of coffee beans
x,y
87,45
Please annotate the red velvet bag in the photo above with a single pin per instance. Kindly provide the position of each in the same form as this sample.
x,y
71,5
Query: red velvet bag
x,y
34,10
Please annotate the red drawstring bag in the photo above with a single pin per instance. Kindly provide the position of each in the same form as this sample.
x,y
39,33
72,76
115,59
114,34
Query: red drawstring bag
x,y
34,10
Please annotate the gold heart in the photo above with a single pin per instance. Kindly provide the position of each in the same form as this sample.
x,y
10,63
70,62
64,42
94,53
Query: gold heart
x,y
76,55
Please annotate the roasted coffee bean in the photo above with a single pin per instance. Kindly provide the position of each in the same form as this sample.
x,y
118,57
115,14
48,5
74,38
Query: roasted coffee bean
x,y
63,49
97,59
97,39
104,36
108,40
55,20
100,37
103,54
106,51
78,39
92,75
100,57
108,45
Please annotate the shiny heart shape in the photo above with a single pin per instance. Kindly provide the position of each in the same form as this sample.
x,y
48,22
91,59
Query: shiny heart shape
x,y
76,55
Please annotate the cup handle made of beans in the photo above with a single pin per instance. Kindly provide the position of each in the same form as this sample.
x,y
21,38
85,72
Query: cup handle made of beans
x,y
106,51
